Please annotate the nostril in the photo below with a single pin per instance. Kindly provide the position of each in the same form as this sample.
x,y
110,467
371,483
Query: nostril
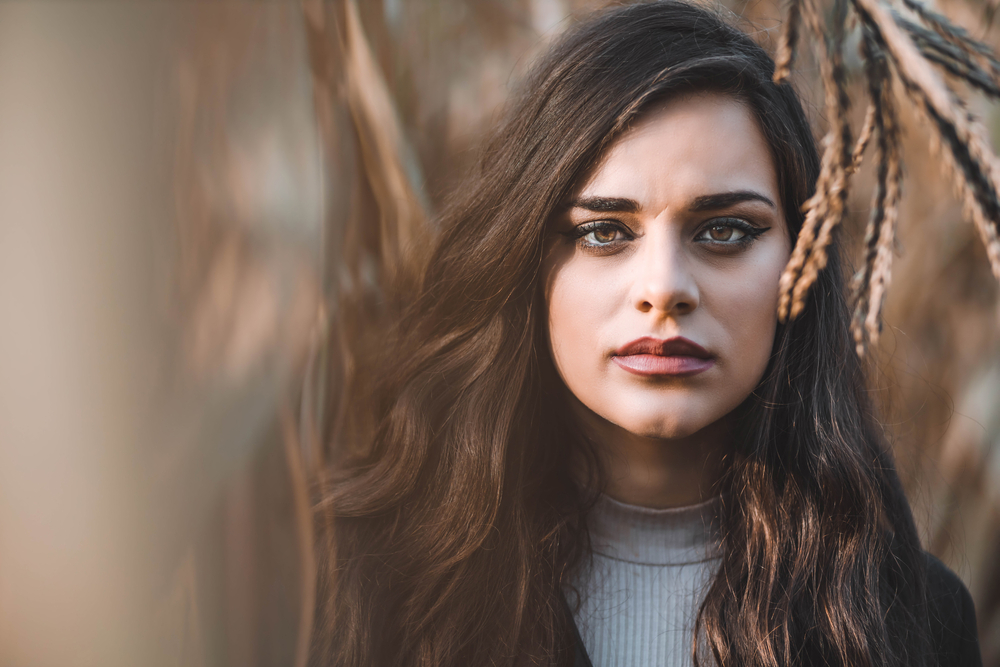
x,y
665,284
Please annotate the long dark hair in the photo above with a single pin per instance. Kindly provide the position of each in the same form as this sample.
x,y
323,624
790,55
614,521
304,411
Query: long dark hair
x,y
459,520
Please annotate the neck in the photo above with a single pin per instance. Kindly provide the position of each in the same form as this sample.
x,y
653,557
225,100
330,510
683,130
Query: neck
x,y
661,472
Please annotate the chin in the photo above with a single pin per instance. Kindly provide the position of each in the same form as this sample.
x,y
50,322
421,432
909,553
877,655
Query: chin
x,y
671,415
665,422
661,431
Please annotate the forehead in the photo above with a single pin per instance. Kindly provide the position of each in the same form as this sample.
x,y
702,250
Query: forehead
x,y
687,147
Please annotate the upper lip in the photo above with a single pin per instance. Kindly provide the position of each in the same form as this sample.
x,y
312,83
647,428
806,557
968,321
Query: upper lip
x,y
671,347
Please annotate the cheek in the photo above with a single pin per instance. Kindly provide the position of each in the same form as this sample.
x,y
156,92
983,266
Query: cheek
x,y
585,300
747,309
577,303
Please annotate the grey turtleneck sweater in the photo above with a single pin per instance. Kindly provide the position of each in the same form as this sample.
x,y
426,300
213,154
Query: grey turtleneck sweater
x,y
640,593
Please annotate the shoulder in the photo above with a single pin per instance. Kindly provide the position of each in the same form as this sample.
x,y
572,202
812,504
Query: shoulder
x,y
952,617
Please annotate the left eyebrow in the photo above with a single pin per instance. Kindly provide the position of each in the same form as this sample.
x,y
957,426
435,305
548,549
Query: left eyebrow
x,y
726,199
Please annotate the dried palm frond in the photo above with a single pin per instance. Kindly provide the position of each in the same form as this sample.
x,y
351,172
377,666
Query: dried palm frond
x,y
873,278
787,42
923,51
867,130
827,207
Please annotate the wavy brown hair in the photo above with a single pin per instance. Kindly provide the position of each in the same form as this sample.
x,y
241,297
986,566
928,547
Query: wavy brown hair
x,y
458,521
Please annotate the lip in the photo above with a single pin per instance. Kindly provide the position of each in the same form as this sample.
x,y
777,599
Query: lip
x,y
672,357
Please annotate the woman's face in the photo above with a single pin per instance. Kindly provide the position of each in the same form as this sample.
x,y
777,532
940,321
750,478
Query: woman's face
x,y
662,272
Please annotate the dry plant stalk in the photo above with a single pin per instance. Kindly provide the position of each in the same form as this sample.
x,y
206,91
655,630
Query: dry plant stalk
x,y
827,207
923,51
873,278
377,261
787,42
867,130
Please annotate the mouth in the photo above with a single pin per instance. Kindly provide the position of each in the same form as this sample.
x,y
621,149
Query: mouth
x,y
673,357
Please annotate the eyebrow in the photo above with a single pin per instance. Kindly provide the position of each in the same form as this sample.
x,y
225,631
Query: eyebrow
x,y
606,204
704,203
727,199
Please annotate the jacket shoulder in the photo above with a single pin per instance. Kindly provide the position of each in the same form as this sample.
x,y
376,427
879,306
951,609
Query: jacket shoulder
x,y
952,617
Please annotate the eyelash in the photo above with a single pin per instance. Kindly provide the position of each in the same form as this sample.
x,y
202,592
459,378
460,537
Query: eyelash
x,y
580,233
750,234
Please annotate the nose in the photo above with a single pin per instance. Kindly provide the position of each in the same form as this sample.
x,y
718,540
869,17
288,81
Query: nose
x,y
665,284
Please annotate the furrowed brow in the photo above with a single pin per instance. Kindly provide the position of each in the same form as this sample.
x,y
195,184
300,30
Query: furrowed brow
x,y
726,199
606,204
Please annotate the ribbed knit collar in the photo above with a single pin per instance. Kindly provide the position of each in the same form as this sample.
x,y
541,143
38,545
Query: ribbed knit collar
x,y
674,536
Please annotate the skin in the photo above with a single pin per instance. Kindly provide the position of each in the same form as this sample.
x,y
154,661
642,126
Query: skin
x,y
668,262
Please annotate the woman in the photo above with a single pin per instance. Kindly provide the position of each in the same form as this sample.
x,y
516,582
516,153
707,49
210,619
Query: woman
x,y
592,436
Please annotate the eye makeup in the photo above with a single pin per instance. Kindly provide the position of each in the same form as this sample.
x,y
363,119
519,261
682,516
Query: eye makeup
x,y
600,235
725,235
714,233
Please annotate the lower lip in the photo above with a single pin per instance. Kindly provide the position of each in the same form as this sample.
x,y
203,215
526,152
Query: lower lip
x,y
655,365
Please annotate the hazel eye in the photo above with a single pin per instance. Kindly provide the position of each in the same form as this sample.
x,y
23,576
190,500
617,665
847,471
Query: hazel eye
x,y
729,234
603,235
600,235
725,233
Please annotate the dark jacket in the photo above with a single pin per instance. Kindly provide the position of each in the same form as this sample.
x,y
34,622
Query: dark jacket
x,y
954,641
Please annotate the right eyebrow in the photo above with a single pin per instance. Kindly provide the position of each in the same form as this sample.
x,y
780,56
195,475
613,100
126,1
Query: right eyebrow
x,y
606,204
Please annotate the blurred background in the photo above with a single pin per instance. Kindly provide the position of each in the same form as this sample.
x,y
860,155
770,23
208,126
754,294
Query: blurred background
x,y
199,204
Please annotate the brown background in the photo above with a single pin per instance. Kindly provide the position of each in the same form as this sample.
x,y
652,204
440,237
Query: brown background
x,y
188,191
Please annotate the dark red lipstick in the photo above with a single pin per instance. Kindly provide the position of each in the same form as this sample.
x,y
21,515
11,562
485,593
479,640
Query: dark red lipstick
x,y
673,357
